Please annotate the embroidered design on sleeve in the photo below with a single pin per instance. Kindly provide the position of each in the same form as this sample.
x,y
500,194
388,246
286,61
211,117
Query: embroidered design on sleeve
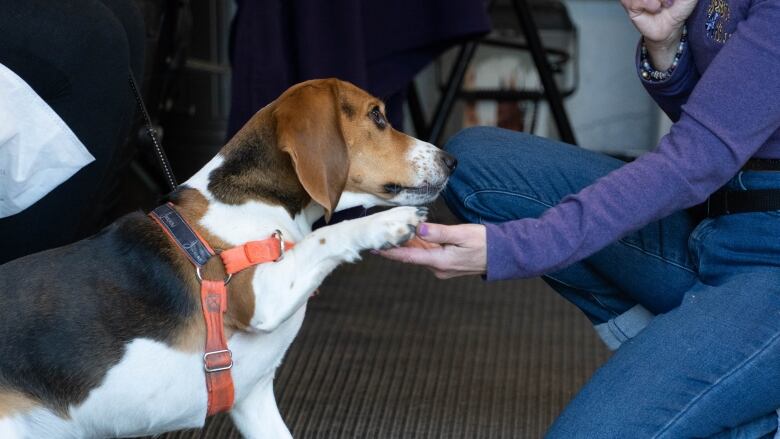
x,y
718,16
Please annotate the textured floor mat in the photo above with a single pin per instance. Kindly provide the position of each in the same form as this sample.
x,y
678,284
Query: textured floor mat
x,y
388,351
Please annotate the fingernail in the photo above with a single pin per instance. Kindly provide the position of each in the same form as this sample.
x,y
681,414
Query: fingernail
x,y
423,230
668,3
374,252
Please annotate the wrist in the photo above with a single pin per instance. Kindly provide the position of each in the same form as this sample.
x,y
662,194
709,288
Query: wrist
x,y
661,52
659,59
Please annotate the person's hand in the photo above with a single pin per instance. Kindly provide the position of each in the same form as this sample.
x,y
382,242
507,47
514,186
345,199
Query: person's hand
x,y
660,22
448,251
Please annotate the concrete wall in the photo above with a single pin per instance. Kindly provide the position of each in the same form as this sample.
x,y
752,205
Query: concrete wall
x,y
610,111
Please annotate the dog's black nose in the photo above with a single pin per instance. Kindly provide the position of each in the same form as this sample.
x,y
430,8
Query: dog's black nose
x,y
449,161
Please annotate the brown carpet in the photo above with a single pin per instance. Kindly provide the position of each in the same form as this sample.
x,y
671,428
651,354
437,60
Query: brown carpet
x,y
388,351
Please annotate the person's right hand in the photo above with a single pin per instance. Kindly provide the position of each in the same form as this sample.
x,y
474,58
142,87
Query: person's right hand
x,y
659,20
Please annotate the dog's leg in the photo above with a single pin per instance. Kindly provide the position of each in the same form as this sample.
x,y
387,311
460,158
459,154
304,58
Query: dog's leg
x,y
257,415
282,288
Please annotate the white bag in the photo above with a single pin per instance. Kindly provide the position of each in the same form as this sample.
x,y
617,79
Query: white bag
x,y
37,149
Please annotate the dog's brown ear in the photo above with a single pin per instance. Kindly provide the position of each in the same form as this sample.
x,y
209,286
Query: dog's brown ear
x,y
308,128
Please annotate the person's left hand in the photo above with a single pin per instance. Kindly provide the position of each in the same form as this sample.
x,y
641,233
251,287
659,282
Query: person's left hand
x,y
448,251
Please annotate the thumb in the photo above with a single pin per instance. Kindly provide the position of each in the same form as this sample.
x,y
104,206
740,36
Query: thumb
x,y
436,233
680,10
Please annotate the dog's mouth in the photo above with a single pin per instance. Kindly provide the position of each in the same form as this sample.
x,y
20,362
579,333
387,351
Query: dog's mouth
x,y
424,189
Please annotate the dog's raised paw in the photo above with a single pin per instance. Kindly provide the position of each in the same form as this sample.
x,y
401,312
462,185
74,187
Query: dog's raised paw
x,y
393,227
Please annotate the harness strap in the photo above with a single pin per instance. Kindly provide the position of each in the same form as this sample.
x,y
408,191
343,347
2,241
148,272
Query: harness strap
x,y
217,359
253,253
184,236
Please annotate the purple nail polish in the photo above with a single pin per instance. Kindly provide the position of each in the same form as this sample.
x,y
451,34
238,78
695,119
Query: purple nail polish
x,y
423,230
668,3
374,252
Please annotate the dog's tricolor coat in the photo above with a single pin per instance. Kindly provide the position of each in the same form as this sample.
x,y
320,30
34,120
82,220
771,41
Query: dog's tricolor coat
x,y
104,337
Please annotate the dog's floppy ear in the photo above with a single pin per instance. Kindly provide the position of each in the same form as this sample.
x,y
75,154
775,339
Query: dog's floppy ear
x,y
308,128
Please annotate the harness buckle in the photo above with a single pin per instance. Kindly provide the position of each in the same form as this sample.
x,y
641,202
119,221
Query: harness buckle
x,y
282,246
217,368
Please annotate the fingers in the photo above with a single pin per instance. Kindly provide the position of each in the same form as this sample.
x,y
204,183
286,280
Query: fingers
x,y
412,255
458,235
650,6
417,242
422,257
438,233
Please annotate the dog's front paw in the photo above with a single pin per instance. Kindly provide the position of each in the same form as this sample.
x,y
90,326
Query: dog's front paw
x,y
393,227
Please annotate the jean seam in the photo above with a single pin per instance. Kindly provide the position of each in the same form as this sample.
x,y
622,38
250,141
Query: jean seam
x,y
739,180
504,192
585,290
709,388
613,323
656,256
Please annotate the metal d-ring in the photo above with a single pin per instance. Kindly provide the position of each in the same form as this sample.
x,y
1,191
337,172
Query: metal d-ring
x,y
200,277
282,247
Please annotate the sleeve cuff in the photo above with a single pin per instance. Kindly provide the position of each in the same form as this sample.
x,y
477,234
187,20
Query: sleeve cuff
x,y
676,83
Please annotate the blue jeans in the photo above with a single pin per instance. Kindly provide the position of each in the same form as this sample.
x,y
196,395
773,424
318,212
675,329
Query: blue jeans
x,y
692,308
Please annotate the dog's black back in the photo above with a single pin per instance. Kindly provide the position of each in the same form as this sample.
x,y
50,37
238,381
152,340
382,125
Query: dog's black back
x,y
66,314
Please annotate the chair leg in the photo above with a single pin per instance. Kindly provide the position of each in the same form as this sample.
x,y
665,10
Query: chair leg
x,y
551,91
454,82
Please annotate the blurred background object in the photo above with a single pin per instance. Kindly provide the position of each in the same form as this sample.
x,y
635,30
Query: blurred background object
x,y
405,53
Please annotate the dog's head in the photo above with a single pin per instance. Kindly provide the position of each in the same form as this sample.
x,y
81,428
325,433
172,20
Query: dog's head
x,y
342,149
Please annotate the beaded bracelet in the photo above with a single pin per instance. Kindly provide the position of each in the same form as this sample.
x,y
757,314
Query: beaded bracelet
x,y
649,73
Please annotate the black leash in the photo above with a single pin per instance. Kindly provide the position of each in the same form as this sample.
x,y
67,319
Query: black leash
x,y
159,153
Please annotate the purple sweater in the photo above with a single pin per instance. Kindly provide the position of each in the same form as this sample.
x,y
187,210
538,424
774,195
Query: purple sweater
x,y
724,97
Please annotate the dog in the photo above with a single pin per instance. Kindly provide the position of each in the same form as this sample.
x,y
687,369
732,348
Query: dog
x,y
105,337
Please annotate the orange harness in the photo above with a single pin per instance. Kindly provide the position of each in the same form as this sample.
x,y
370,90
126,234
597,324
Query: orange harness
x,y
217,359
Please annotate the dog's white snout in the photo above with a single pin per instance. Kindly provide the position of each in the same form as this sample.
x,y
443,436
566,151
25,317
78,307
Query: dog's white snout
x,y
432,165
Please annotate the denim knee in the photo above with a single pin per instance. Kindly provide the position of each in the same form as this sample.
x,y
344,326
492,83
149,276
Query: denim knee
x,y
470,144
464,146
478,149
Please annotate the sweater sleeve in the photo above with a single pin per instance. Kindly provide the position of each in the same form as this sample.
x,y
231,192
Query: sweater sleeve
x,y
731,113
673,92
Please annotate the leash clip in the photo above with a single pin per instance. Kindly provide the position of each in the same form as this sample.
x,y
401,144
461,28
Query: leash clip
x,y
282,246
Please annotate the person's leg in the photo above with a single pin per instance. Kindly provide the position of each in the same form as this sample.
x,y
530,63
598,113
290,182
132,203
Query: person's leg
x,y
76,54
707,368
505,175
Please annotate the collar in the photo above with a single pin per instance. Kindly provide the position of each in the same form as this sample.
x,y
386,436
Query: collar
x,y
341,215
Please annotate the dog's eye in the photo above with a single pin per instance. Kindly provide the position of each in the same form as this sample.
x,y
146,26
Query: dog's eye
x,y
379,119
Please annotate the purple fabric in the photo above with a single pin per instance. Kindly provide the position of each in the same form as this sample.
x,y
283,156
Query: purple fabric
x,y
378,46
727,98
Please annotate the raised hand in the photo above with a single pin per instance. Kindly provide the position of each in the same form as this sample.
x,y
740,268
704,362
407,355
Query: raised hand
x,y
448,251
660,22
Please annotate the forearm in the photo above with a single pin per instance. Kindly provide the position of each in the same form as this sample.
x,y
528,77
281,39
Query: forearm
x,y
730,115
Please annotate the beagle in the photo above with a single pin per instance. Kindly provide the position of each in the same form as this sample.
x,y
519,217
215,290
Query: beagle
x,y
105,337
